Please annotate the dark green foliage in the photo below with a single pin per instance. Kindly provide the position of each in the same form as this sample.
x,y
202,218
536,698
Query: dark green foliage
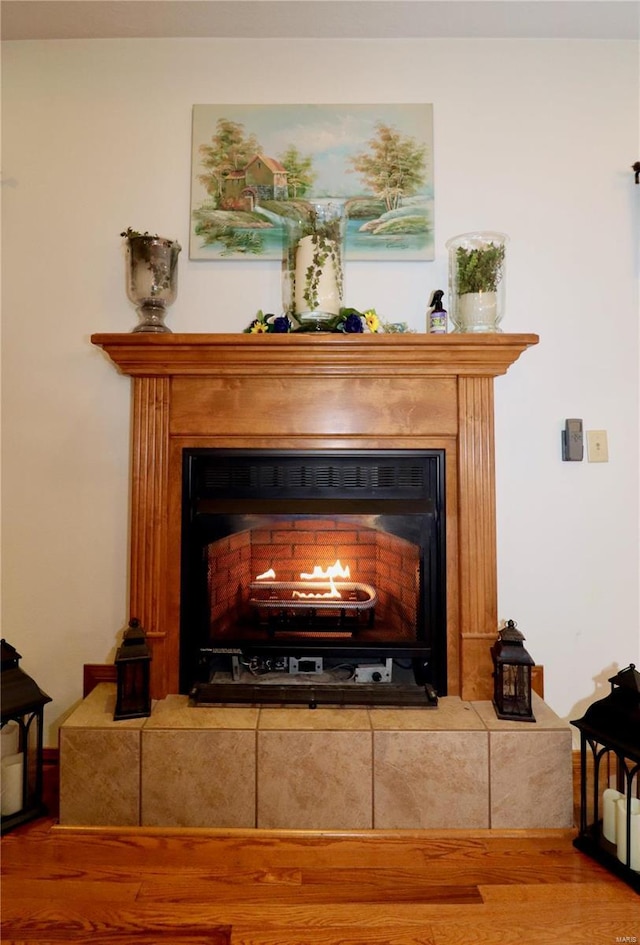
x,y
479,270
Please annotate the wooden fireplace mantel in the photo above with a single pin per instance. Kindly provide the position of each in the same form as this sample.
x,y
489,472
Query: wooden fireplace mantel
x,y
316,391
163,355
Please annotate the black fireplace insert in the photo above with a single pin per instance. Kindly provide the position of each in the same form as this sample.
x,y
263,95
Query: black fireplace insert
x,y
313,577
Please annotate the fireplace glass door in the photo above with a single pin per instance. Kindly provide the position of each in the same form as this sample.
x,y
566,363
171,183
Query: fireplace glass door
x,y
323,568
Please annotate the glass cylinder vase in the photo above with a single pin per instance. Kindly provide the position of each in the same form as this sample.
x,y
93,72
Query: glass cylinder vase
x,y
313,264
477,281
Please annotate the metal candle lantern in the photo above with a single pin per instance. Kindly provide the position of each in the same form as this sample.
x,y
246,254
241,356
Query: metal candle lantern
x,y
610,778
133,659
21,726
512,676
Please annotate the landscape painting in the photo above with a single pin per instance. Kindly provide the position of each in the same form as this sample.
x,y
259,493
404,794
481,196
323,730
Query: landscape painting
x,y
255,166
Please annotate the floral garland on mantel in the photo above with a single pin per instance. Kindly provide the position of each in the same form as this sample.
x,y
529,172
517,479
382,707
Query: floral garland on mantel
x,y
349,321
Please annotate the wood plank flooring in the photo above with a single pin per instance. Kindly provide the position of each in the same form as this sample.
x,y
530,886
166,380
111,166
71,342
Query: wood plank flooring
x,y
128,887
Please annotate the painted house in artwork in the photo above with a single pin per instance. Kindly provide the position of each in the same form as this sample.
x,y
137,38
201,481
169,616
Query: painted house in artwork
x,y
263,178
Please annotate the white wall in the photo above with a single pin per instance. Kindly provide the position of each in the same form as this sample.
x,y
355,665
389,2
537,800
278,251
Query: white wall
x,y
534,138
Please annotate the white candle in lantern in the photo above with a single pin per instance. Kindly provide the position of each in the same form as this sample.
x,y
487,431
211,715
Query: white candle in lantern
x,y
11,784
9,739
621,832
610,799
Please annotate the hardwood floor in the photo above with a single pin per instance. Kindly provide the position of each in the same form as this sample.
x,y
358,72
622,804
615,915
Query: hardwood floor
x,y
93,887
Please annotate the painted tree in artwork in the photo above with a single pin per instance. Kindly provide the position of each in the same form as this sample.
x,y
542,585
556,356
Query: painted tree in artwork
x,y
300,175
394,166
230,150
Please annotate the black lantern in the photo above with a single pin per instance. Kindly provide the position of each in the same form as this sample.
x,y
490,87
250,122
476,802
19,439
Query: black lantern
x,y
133,659
512,676
21,726
610,779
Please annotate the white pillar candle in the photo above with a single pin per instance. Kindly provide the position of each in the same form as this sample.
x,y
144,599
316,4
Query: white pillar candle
x,y
610,799
621,832
326,288
9,739
11,784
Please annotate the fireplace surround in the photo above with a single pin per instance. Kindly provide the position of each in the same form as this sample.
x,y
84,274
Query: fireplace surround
x,y
316,393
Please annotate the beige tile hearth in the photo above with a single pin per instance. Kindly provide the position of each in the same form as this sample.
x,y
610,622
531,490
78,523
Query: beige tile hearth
x,y
314,769
457,766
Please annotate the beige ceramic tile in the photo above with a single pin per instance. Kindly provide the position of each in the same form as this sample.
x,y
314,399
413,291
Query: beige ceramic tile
x,y
431,780
198,778
174,712
99,777
330,720
96,711
531,779
545,718
451,714
314,780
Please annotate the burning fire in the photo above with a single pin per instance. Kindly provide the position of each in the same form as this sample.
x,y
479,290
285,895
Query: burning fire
x,y
327,576
269,575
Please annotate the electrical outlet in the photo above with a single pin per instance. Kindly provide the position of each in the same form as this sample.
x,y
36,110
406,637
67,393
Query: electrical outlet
x,y
597,446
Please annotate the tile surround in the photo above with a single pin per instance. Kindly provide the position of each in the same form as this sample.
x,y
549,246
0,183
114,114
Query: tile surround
x,y
456,766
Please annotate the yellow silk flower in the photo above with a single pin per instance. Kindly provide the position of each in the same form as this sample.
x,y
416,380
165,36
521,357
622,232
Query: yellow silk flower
x,y
372,320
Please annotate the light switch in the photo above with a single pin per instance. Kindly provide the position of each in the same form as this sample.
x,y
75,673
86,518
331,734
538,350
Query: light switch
x,y
597,446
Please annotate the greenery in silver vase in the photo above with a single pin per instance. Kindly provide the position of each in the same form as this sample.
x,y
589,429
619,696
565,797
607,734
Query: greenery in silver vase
x,y
479,270
142,245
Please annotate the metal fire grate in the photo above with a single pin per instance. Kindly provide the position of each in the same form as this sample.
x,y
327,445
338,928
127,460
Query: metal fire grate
x,y
277,606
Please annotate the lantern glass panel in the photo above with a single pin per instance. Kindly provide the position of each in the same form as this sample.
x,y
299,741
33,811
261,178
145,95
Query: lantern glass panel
x,y
512,695
133,690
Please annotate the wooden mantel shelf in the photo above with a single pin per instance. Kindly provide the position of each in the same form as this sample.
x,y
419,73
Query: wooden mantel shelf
x,y
316,391
324,354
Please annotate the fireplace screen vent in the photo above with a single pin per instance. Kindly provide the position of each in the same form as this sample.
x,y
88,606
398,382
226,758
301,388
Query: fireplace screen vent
x,y
311,476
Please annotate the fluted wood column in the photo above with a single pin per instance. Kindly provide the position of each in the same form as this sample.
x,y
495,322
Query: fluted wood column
x,y
149,521
477,535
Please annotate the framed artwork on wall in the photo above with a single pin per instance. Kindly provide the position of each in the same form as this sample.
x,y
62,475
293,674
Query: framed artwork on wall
x,y
253,166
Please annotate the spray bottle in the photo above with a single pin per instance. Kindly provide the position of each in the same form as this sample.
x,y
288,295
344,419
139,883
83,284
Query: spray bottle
x,y
437,316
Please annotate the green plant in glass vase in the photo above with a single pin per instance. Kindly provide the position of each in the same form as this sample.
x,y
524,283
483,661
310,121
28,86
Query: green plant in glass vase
x,y
476,281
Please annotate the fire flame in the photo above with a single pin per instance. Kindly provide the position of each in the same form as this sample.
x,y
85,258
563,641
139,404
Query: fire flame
x,y
319,574
327,575
269,575
333,571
